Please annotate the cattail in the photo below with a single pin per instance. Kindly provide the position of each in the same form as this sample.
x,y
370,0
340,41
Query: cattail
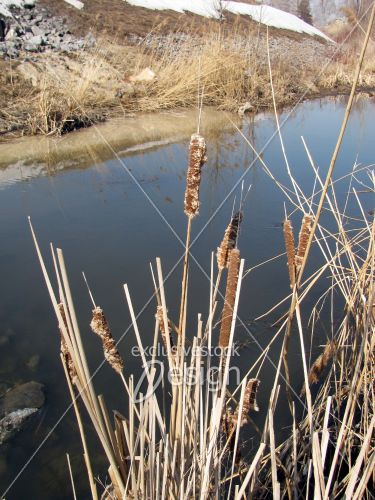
x,y
100,326
303,239
64,347
230,295
197,157
229,241
290,251
163,330
249,404
320,363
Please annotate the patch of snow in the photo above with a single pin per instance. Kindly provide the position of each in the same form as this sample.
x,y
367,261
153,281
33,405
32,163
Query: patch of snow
x,y
75,3
6,4
263,14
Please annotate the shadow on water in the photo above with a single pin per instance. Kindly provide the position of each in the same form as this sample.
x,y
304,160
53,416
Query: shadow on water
x,y
82,199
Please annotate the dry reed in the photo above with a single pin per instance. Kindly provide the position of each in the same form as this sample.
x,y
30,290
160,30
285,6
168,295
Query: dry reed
x,y
229,241
100,326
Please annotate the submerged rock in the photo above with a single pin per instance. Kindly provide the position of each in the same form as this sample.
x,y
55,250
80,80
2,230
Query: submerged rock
x,y
17,406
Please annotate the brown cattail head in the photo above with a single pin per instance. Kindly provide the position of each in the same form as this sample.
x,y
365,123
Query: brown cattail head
x,y
230,295
100,326
64,347
320,363
229,241
303,239
249,404
290,251
197,157
164,331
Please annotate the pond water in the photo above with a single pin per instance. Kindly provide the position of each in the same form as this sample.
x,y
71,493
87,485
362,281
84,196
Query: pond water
x,y
100,209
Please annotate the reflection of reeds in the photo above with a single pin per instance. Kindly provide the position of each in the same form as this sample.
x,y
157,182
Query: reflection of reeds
x,y
197,158
230,295
100,326
229,241
290,251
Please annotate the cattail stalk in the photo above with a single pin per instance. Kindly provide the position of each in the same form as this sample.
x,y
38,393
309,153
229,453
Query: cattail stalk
x,y
230,295
100,326
290,251
229,241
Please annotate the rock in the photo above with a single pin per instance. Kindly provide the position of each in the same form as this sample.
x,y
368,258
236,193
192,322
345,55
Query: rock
x,y
37,31
33,362
245,108
4,340
90,40
33,44
3,466
12,423
127,89
146,75
12,33
16,407
29,395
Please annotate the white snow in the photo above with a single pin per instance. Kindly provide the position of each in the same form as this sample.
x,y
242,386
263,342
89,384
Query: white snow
x,y
5,4
260,13
75,3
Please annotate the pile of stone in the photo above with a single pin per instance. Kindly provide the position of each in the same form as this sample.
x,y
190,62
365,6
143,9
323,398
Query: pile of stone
x,y
31,28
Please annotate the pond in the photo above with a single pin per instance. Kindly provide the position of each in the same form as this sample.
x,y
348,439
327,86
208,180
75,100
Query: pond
x,y
113,211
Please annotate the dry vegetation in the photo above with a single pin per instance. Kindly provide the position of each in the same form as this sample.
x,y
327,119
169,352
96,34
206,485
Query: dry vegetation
x,y
58,93
191,445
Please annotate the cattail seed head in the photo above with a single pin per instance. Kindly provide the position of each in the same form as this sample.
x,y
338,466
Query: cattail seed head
x,y
290,251
320,364
230,295
249,404
64,347
197,158
100,326
303,239
229,241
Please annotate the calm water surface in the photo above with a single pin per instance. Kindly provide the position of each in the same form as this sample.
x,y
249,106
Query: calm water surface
x,y
108,227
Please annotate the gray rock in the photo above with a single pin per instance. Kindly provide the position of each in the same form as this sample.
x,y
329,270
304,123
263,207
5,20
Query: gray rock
x,y
13,422
37,31
29,395
245,108
33,362
17,406
4,340
33,44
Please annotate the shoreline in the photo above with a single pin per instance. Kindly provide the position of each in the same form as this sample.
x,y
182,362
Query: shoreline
x,y
120,135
